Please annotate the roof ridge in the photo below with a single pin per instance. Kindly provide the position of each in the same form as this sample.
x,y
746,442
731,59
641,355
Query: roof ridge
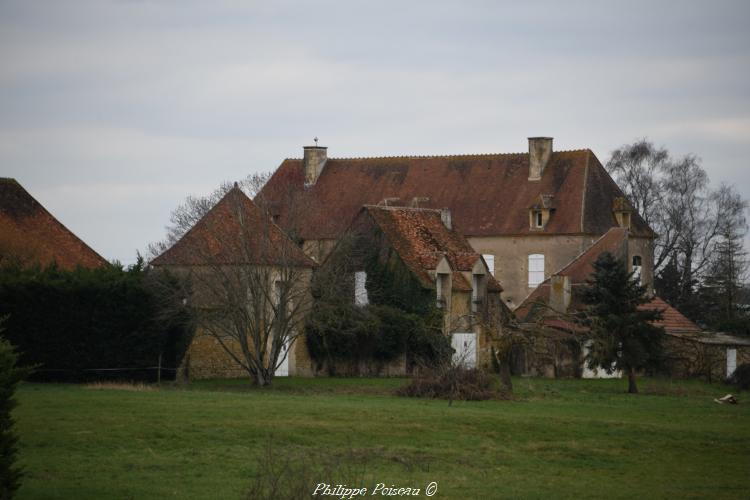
x,y
386,207
580,255
450,155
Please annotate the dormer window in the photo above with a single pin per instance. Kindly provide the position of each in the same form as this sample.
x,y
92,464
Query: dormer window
x,y
442,287
540,210
622,210
478,290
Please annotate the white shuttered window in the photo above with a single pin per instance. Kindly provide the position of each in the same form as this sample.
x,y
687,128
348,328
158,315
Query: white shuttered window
x,y
536,269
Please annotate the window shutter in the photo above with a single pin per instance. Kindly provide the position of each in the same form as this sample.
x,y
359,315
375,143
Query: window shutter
x,y
536,269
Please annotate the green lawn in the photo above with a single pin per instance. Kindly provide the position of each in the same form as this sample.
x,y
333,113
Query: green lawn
x,y
557,439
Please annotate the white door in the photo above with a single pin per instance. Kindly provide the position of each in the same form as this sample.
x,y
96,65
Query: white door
x,y
283,368
465,347
595,372
731,361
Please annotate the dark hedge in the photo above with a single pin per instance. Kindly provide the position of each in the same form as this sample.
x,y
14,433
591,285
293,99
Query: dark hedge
x,y
92,324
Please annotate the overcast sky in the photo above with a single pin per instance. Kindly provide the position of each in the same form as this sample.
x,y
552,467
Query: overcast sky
x,y
112,112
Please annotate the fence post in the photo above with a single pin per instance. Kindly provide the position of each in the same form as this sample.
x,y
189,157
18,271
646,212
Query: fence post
x,y
158,372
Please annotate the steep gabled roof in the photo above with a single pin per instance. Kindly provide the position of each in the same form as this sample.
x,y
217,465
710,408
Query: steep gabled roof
x,y
577,270
27,227
235,231
488,195
421,240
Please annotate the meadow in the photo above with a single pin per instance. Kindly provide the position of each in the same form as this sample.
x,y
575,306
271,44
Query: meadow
x,y
554,439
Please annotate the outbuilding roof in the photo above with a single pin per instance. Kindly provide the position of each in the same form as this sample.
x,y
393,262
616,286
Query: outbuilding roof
x,y
27,228
421,239
235,231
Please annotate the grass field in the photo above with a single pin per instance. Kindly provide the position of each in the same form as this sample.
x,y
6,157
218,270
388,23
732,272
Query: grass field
x,y
557,439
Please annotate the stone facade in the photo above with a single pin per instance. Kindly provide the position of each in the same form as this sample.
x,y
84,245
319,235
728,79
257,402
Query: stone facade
x,y
512,258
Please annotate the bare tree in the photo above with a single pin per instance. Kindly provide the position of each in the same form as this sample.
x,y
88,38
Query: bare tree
x,y
194,208
248,282
675,199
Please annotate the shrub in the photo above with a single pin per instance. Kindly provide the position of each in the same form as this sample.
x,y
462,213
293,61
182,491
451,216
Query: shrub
x,y
10,375
741,376
454,382
347,334
283,474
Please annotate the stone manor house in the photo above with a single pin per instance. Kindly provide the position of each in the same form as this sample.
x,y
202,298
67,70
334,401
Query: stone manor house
x,y
528,214
522,227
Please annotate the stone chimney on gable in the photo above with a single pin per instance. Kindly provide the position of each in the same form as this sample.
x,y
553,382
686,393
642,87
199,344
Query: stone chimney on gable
x,y
540,151
560,293
445,216
314,161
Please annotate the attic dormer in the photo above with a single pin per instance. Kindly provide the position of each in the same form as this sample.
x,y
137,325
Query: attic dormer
x,y
443,283
623,211
540,211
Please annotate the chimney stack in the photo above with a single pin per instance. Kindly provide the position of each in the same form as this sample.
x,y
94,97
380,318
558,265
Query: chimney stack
x,y
314,160
445,216
560,293
540,151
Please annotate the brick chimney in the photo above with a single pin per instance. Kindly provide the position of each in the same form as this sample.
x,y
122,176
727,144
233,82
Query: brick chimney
x,y
540,151
314,160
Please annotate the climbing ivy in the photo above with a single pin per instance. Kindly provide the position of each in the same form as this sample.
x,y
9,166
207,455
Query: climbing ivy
x,y
400,319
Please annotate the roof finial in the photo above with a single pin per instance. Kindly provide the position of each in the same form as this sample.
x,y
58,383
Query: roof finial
x,y
316,141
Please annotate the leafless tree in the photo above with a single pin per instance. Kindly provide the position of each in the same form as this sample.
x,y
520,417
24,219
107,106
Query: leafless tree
x,y
190,211
675,199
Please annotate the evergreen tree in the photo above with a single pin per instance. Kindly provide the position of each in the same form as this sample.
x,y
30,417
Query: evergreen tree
x,y
10,375
624,337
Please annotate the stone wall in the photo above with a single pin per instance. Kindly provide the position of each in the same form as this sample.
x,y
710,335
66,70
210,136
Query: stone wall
x,y
689,358
547,353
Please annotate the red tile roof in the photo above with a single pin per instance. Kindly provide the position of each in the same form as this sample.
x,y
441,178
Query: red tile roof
x,y
218,238
26,227
672,320
421,239
487,194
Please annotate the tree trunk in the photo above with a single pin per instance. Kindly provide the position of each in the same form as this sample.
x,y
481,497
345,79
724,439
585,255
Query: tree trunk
x,y
632,387
505,379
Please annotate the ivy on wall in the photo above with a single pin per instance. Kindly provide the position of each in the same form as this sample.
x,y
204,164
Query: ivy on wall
x,y
400,319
